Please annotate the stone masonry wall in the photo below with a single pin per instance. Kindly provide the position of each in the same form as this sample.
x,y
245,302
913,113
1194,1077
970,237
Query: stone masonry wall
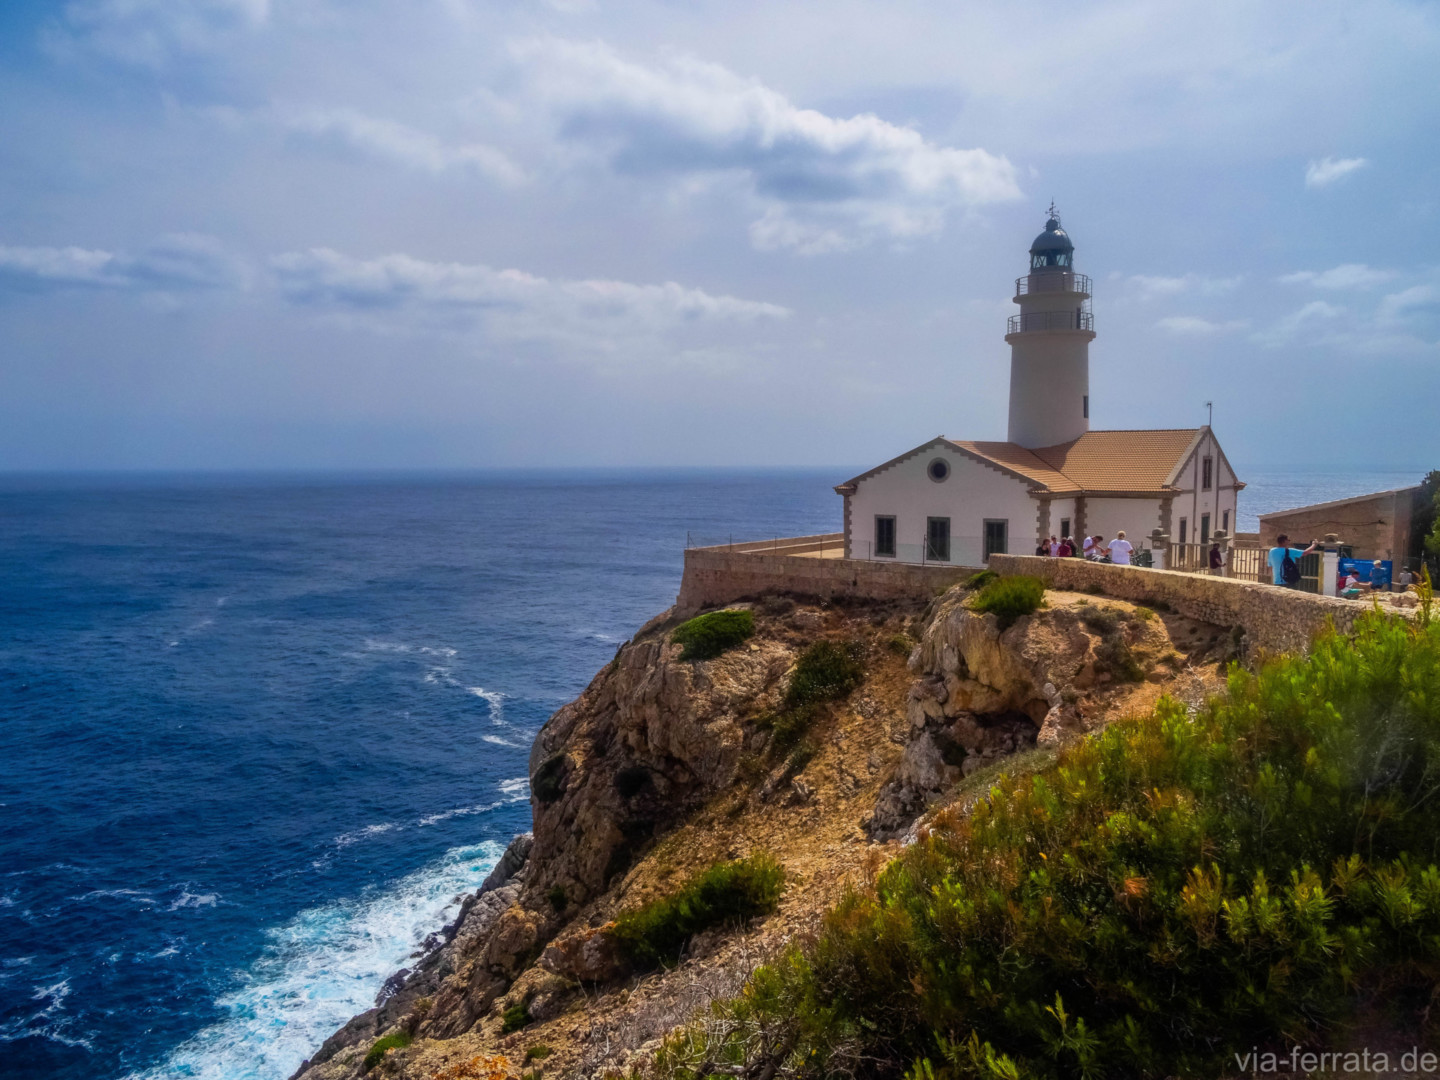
x,y
718,576
1273,618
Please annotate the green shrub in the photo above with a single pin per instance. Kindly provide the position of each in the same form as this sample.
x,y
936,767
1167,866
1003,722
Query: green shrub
x,y
900,644
1009,598
1174,890
515,1017
1101,619
655,933
802,755
788,726
825,671
399,1040
707,636
538,1052
981,579
557,897
1144,614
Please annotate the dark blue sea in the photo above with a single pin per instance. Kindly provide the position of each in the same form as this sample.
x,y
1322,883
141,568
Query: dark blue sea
x,y
258,734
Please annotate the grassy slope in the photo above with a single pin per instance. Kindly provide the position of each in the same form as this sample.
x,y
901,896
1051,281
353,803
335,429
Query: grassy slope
x,y
1176,889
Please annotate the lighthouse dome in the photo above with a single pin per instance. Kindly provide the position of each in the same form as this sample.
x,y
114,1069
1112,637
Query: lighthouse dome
x,y
1052,247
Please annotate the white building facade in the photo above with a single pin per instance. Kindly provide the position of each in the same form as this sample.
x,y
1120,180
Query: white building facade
x,y
957,501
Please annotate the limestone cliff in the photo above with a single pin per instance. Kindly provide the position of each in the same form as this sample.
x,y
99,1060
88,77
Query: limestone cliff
x,y
663,767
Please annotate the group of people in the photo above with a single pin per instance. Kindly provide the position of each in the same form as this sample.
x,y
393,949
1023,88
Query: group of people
x,y
1095,548
1285,566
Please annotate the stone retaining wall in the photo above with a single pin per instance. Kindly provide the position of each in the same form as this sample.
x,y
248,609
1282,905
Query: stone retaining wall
x,y
1273,618
717,576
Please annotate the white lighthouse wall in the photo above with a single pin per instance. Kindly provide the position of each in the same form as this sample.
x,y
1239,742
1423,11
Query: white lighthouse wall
x,y
971,494
1049,380
1137,517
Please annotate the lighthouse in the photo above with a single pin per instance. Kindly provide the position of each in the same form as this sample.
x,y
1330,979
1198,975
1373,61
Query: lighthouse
x,y
1050,345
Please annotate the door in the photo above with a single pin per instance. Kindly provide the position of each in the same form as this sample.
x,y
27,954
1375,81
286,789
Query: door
x,y
937,539
997,537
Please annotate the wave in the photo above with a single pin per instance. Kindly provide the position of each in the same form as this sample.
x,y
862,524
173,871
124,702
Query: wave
x,y
320,969
513,791
193,900
494,699
346,839
49,1021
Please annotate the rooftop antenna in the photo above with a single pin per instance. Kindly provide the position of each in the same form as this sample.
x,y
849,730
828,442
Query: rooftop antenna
x,y
1210,419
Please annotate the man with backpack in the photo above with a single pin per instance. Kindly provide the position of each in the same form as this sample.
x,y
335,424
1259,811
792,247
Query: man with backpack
x,y
1285,561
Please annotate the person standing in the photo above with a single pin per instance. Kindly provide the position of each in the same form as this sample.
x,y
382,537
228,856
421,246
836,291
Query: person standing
x,y
1054,546
1285,561
1120,549
1065,547
1379,580
1217,559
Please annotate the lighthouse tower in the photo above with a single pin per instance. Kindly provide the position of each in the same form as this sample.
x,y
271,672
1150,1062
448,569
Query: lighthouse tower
x,y
1050,345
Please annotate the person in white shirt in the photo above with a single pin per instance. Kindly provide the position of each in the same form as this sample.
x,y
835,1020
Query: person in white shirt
x,y
1054,547
1120,549
1088,548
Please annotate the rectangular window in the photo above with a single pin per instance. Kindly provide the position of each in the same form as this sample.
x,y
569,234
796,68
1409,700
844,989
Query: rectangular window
x,y
1183,524
1065,528
1225,521
1204,528
884,536
1207,470
1086,400
997,537
937,539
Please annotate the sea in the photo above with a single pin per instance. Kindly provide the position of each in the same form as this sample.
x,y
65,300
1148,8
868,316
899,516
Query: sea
x,y
259,734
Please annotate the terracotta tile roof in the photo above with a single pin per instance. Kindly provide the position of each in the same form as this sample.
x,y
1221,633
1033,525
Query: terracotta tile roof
x,y
1097,461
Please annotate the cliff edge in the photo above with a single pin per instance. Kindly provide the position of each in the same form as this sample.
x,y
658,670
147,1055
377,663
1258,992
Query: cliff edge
x,y
665,767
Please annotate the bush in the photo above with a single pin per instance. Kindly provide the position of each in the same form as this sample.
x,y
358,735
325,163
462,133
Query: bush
x,y
981,579
398,1041
515,1017
1101,620
1009,598
825,671
538,1052
655,933
707,636
1172,891
900,644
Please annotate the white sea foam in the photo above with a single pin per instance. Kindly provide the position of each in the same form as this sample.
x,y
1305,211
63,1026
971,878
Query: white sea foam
x,y
49,1020
494,699
513,791
346,839
193,900
134,896
516,788
321,968
499,741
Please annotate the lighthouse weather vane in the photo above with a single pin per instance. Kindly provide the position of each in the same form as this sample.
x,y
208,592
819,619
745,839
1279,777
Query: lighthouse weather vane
x,y
1054,214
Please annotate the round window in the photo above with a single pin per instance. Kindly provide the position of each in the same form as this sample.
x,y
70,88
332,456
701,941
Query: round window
x,y
939,469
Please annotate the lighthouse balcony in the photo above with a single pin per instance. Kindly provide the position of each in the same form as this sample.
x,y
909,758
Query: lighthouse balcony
x,y
1050,320
1052,281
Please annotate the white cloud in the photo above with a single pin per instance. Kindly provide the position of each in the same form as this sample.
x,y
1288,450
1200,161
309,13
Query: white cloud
x,y
823,183
181,262
1194,326
1311,320
511,304
1326,171
399,143
149,32
1344,276
1152,287
1397,306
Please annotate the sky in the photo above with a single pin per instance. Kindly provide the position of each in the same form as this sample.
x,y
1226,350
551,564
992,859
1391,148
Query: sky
x,y
260,234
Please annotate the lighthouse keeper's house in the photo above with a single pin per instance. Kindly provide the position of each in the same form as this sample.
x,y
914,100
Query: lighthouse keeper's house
x,y
960,501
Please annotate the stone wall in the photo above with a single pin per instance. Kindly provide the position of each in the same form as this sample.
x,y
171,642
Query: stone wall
x,y
1376,526
717,576
1273,618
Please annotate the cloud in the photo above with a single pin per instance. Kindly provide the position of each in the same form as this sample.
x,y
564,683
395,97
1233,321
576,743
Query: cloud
x,y
1310,320
1194,326
1152,287
1398,306
398,143
824,183
181,262
149,32
1344,276
511,304
1328,170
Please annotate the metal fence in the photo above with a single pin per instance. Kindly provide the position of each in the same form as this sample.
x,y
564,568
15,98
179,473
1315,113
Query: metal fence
x,y
959,551
1052,282
1050,320
1241,561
